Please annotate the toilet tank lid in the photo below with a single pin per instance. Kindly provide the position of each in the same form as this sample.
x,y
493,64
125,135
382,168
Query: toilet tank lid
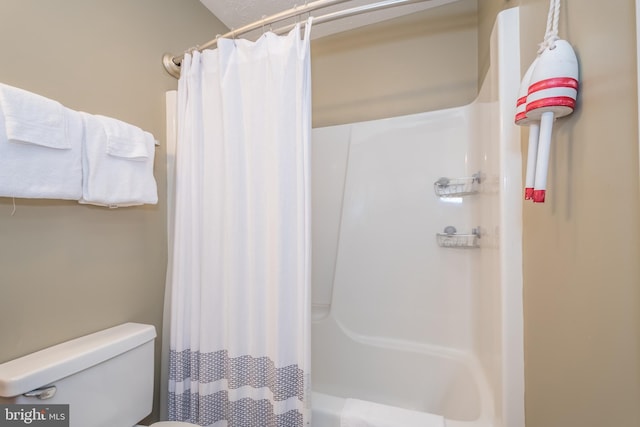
x,y
43,367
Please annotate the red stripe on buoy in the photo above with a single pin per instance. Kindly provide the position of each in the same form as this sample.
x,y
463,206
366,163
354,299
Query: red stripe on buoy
x,y
538,196
521,101
554,101
554,83
528,193
521,116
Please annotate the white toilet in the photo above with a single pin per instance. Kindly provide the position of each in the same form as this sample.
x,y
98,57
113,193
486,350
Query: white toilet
x,y
106,378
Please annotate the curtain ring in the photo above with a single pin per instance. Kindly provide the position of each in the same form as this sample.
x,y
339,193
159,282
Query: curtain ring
x,y
234,36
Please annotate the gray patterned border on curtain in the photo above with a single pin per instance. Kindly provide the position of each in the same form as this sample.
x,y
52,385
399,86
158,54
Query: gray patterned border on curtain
x,y
284,383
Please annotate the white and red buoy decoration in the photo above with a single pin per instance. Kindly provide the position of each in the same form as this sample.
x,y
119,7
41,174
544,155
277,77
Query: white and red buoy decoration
x,y
549,90
552,94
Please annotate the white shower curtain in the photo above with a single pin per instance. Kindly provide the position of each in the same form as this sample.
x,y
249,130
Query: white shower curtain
x,y
240,262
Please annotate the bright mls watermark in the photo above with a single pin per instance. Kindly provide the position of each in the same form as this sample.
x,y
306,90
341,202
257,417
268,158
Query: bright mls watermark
x,y
34,415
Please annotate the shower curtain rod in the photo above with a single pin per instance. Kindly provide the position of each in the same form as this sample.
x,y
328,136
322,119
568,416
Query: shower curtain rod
x,y
172,63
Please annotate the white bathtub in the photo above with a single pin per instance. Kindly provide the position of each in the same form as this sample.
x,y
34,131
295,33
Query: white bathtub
x,y
403,374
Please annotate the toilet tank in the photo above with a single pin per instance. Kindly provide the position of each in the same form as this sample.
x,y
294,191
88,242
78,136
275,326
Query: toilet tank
x,y
106,377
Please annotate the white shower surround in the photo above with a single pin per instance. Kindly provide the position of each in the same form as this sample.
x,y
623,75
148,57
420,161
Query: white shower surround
x,y
399,320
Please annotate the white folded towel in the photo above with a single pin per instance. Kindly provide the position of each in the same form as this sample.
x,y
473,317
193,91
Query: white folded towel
x,y
117,163
33,118
40,147
360,413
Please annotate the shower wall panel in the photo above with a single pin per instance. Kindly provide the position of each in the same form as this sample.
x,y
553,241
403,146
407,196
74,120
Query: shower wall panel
x,y
390,278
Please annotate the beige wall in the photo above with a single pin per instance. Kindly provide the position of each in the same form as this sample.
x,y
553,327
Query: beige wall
x,y
425,61
582,247
68,269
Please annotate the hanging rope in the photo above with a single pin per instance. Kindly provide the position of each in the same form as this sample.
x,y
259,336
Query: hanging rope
x,y
551,33
556,20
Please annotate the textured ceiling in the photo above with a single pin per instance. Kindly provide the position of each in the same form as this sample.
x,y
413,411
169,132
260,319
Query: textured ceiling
x,y
237,13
